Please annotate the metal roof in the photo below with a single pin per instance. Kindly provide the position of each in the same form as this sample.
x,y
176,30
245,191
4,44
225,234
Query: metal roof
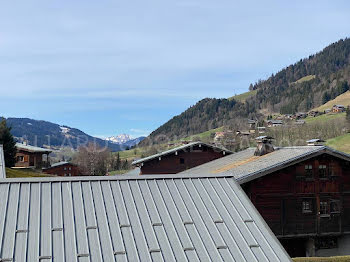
x,y
244,166
62,163
275,121
183,147
315,140
34,149
2,163
128,218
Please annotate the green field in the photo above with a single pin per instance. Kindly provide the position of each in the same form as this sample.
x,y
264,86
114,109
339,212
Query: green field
x,y
304,79
204,135
242,97
343,99
14,173
341,143
118,172
325,117
322,259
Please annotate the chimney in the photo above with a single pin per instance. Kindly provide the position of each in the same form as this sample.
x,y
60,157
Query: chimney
x,y
315,142
264,145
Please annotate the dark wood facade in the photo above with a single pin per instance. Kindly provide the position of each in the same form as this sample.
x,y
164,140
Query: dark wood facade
x,y
308,199
25,159
66,169
181,160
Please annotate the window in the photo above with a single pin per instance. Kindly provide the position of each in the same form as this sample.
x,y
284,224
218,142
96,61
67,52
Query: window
x,y
307,206
65,168
308,171
324,208
332,170
70,168
69,174
20,158
322,171
65,174
335,206
182,161
326,242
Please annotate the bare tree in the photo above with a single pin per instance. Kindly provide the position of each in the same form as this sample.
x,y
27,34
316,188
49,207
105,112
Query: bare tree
x,y
92,160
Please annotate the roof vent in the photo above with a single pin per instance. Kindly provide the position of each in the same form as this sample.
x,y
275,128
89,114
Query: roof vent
x,y
264,145
315,142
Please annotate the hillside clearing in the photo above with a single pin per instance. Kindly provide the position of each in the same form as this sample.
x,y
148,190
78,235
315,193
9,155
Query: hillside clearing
x,y
341,143
244,96
325,117
343,99
205,135
304,79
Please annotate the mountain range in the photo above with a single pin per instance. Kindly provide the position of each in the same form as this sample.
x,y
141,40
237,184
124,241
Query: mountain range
x,y
43,133
125,140
302,86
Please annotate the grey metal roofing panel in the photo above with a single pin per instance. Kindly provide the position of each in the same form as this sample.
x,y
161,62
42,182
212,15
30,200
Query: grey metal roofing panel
x,y
173,150
152,218
244,166
2,163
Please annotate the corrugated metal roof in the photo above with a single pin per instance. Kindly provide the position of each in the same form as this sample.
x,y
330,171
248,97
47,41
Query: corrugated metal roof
x,y
244,166
148,218
171,151
32,148
2,163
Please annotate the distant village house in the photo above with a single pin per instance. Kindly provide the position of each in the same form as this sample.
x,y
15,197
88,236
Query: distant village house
x,y
31,156
338,109
274,123
180,158
63,169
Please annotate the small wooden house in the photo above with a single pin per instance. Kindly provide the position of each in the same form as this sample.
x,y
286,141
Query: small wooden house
x,y
62,169
313,113
338,109
180,158
274,123
31,156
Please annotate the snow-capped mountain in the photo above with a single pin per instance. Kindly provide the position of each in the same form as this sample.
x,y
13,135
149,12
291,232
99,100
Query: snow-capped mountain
x,y
119,139
124,140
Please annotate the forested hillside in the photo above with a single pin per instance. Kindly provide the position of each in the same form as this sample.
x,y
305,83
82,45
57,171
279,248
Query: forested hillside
x,y
46,133
302,86
206,114
306,84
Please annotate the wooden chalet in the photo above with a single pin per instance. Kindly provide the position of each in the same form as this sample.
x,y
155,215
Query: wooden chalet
x,y
180,158
303,193
63,169
338,109
274,123
31,156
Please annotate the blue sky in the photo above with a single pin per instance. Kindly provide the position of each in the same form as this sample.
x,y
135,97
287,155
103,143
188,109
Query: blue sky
x,y
110,67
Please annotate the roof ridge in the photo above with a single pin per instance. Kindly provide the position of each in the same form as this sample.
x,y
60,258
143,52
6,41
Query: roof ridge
x,y
110,178
169,151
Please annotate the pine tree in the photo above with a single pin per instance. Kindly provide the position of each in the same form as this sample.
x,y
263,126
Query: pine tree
x,y
118,163
9,144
